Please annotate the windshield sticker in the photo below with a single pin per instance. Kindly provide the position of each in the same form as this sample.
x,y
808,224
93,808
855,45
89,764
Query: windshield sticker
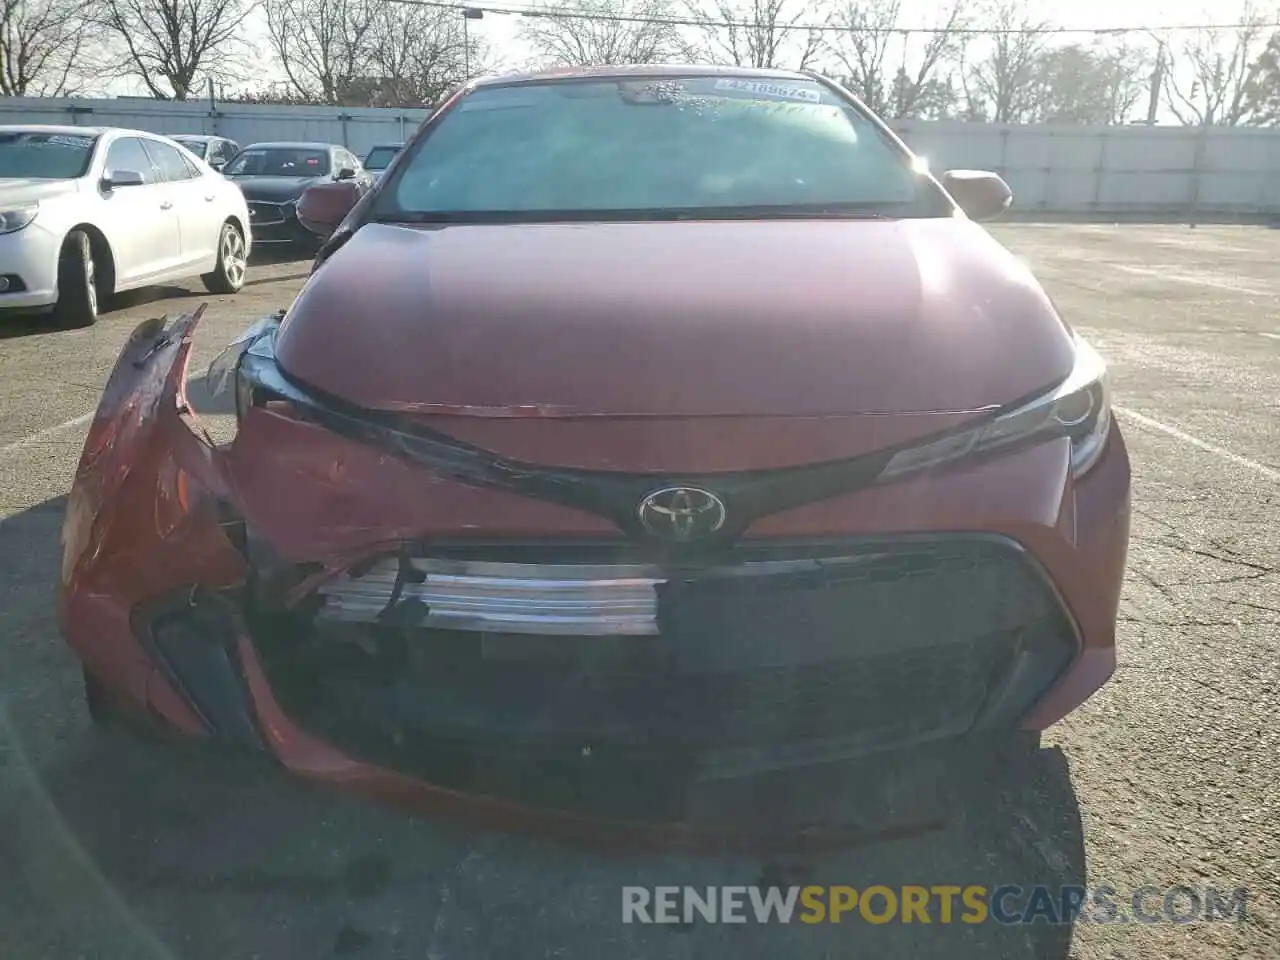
x,y
764,88
66,141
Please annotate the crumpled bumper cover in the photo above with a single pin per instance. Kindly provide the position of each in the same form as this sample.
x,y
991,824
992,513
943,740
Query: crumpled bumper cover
x,y
175,593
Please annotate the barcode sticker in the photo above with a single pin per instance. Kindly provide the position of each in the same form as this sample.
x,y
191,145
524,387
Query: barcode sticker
x,y
766,88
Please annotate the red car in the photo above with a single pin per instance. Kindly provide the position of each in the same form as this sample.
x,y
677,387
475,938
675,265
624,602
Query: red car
x,y
654,447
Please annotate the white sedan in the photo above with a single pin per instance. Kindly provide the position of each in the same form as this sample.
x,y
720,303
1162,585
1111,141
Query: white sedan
x,y
86,212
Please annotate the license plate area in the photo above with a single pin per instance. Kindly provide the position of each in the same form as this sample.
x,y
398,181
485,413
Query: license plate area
x,y
780,620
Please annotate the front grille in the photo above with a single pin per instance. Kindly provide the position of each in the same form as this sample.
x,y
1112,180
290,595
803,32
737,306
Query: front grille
x,y
758,664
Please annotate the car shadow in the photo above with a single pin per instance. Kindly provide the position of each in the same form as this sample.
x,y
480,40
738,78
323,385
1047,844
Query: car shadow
x,y
22,324
195,852
146,295
277,254
16,324
272,253
300,275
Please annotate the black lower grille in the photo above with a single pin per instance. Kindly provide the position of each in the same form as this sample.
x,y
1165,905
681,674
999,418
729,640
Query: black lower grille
x,y
926,639
264,214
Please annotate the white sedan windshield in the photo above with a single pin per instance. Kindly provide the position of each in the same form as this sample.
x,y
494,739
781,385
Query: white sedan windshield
x,y
44,156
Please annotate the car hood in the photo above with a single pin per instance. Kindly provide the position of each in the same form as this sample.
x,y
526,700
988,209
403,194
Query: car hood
x,y
684,319
14,191
273,189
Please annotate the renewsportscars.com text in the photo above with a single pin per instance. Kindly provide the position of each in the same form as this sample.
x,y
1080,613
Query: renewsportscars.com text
x,y
938,903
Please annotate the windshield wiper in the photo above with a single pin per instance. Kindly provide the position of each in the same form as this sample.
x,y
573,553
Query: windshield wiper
x,y
837,212
422,216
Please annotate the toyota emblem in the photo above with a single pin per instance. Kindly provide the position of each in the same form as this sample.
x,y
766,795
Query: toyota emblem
x,y
682,514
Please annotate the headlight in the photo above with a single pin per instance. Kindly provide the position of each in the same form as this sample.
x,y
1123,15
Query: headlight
x,y
15,218
1080,408
224,371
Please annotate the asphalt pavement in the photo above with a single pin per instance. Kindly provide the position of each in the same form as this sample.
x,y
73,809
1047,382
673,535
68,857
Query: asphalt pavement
x,y
113,847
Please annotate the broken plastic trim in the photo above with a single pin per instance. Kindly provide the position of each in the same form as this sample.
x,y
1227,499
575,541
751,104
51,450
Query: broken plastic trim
x,y
250,364
192,636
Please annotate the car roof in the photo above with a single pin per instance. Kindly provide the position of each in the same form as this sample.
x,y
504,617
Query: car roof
x,y
58,130
294,145
64,130
640,70
203,137
377,146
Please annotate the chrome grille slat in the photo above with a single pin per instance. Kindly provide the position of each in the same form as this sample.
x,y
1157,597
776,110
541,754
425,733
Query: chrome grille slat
x,y
510,598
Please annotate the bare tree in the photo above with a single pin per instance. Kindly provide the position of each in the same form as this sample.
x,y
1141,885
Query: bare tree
x,y
419,53
863,52
1001,86
762,33
171,43
369,52
1263,93
585,32
1217,74
324,46
912,87
1083,84
44,47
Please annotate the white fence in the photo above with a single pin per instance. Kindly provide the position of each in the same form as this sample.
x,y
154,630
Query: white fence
x,y
1224,172
1133,171
357,128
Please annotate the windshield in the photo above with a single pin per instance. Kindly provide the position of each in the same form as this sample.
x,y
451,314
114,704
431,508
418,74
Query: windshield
x,y
380,157
279,162
44,156
195,146
685,147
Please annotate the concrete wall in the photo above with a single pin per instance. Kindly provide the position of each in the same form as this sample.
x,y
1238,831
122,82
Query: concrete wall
x,y
1138,172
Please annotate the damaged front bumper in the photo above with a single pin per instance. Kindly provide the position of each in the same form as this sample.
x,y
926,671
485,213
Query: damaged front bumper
x,y
318,590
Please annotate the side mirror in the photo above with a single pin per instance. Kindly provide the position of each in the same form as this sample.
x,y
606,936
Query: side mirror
x,y
122,178
323,207
981,194
346,173
218,163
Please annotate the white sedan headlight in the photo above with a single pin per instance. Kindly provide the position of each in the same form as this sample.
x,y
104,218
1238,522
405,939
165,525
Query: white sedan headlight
x,y
13,219
1079,408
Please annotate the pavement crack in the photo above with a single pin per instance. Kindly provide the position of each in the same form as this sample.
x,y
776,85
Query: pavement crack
x,y
1156,585
1238,578
1235,698
90,387
1210,555
1187,622
1247,603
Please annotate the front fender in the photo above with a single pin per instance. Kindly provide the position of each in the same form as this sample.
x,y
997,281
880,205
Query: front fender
x,y
143,518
